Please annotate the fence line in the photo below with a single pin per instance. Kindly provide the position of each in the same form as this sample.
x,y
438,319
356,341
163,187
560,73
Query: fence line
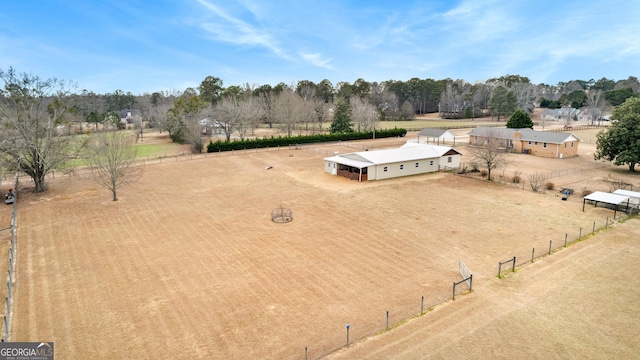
x,y
513,266
576,127
12,254
558,244
387,325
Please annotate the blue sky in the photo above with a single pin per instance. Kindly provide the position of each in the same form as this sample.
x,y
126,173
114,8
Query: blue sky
x,y
145,46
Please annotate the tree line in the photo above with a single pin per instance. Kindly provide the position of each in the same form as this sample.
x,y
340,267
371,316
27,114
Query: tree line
x,y
37,114
238,110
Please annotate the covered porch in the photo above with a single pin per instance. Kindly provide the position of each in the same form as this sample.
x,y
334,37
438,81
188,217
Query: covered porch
x,y
352,172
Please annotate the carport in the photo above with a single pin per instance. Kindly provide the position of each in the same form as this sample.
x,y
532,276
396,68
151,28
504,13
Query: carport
x,y
607,198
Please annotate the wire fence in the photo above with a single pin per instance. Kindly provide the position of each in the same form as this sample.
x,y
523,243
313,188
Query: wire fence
x,y
392,318
543,249
11,265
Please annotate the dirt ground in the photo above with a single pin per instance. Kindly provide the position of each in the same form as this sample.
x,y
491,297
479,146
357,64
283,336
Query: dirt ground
x,y
574,304
189,264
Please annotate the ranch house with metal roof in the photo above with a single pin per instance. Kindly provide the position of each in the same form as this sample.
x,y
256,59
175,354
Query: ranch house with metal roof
x,y
410,159
527,141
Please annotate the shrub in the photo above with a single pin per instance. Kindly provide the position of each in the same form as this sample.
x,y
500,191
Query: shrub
x,y
286,141
586,192
550,185
484,173
516,178
535,181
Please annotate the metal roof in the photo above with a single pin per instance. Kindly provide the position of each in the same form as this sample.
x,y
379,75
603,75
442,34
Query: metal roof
x,y
441,150
525,135
609,198
631,194
363,159
341,159
436,133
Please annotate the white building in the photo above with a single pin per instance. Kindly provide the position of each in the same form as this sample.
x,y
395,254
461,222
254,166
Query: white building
x,y
410,159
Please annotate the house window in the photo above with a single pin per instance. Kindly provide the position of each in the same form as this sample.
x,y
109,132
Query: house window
x,y
536,143
565,145
401,167
449,159
417,164
544,145
385,169
529,142
572,144
431,162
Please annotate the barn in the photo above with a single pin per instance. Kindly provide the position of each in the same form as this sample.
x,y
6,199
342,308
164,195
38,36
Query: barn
x,y
410,159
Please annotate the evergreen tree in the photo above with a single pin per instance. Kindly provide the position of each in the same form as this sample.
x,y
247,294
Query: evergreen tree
x,y
503,102
342,118
520,120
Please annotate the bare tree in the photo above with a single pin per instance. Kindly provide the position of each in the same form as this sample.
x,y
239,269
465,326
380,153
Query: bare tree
x,y
321,112
193,131
452,100
158,116
31,109
481,96
225,111
407,112
307,91
111,156
239,115
536,181
596,105
491,154
526,95
363,114
288,109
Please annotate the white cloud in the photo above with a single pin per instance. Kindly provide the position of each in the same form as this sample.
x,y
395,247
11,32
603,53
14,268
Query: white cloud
x,y
316,59
234,30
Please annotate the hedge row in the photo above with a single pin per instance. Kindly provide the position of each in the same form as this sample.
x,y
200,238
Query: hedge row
x,y
294,140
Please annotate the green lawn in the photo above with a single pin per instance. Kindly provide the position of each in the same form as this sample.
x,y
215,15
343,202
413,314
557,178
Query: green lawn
x,y
155,150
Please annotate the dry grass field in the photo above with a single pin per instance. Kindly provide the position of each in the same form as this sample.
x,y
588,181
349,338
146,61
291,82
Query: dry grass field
x,y
188,264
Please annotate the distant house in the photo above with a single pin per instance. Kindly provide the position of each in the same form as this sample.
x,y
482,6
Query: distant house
x,y
410,159
527,141
211,126
563,114
127,116
435,135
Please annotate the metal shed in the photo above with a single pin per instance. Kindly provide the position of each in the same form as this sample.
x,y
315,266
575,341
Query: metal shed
x,y
436,134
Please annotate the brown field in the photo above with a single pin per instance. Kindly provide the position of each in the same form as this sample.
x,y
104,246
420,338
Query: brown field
x,y
188,264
